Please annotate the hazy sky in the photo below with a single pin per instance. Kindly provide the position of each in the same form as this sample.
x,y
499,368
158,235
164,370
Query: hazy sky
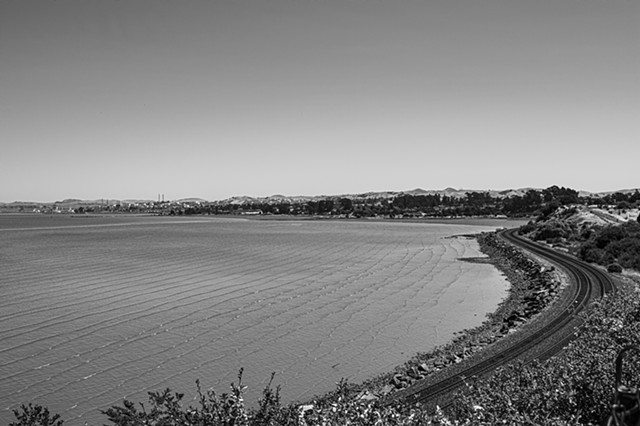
x,y
212,98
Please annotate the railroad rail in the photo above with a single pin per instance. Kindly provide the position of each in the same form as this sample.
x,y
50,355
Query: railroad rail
x,y
587,283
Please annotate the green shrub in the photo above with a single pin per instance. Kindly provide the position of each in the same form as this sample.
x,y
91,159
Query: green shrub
x,y
553,229
615,244
614,268
227,409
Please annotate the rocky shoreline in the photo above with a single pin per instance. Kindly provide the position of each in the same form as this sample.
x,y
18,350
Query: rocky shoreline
x,y
534,287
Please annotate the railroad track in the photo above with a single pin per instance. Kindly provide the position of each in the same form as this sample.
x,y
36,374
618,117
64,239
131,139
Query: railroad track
x,y
587,283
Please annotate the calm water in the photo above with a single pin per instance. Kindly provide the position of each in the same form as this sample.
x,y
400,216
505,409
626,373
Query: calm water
x,y
94,310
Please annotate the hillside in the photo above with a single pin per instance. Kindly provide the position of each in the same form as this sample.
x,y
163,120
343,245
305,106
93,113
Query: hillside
x,y
606,236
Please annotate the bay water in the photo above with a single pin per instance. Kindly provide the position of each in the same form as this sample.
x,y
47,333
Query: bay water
x,y
97,309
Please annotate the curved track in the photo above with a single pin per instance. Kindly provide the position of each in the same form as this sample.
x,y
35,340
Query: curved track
x,y
587,283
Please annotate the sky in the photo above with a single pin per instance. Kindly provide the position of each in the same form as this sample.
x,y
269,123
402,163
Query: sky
x,y
128,99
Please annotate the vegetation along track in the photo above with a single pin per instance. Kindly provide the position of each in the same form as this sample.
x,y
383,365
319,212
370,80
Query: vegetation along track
x,y
541,342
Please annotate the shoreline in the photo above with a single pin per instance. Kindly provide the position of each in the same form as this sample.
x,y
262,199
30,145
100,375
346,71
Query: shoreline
x,y
534,287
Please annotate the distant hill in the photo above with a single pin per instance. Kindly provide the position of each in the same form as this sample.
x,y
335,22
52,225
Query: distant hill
x,y
449,192
279,198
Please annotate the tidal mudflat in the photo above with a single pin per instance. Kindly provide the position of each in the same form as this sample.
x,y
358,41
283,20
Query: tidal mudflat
x,y
97,309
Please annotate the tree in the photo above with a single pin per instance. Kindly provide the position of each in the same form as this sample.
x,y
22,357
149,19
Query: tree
x,y
561,194
345,205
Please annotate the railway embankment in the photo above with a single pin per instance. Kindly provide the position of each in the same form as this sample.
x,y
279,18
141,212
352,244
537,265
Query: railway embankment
x,y
535,336
534,286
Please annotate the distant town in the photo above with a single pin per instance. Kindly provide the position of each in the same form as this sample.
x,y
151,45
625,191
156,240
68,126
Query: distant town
x,y
417,203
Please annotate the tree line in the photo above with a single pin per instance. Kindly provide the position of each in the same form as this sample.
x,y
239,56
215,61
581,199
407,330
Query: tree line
x,y
532,203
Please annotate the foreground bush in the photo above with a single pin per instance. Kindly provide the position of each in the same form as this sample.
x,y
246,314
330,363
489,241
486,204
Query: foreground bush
x,y
341,407
35,415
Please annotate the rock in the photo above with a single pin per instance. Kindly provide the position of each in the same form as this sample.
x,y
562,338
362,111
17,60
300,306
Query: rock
x,y
399,381
414,373
386,389
366,396
304,408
